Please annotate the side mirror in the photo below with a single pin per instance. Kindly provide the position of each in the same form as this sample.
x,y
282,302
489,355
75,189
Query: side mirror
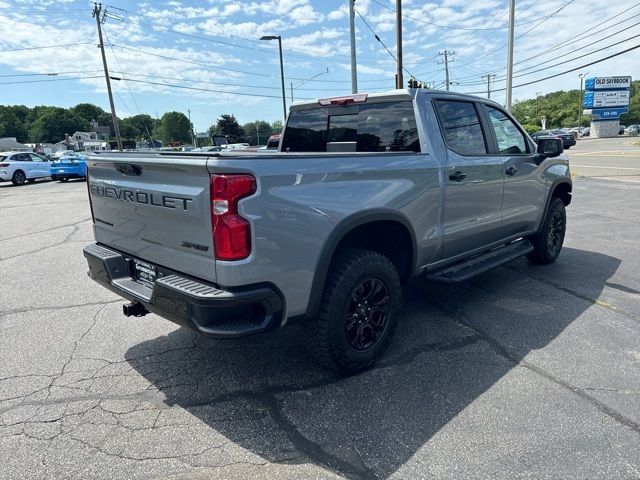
x,y
549,147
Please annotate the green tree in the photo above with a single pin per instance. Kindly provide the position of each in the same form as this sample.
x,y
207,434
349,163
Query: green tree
x,y
11,125
138,126
277,126
259,127
54,123
228,126
174,127
88,112
633,117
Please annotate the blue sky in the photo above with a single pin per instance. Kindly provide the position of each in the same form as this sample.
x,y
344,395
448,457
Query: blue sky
x,y
167,48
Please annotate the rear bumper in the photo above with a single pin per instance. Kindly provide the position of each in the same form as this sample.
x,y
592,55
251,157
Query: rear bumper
x,y
193,303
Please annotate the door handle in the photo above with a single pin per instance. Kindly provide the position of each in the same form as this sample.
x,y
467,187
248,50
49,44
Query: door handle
x,y
457,176
511,170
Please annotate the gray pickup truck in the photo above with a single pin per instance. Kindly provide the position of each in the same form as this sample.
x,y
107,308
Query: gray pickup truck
x,y
366,192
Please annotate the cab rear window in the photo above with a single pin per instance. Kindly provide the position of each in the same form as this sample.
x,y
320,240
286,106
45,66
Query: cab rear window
x,y
376,127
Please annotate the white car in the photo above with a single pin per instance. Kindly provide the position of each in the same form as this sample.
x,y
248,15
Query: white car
x,y
20,167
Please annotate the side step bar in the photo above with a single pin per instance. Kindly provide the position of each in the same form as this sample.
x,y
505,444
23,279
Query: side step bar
x,y
482,263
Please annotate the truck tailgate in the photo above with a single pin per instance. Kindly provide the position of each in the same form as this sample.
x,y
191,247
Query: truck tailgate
x,y
156,209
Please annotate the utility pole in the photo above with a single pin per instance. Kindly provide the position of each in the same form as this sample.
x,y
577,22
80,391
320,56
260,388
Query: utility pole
x,y
399,81
193,138
488,78
512,13
97,9
257,134
446,54
352,36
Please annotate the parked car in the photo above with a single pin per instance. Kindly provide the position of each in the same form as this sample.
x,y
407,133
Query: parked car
x,y
621,129
632,130
20,167
69,165
366,192
585,132
568,140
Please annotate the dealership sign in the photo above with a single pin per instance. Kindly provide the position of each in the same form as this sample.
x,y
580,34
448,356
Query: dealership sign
x,y
606,113
607,98
607,83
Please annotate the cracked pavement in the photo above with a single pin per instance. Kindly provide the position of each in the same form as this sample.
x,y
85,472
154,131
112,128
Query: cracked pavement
x,y
523,372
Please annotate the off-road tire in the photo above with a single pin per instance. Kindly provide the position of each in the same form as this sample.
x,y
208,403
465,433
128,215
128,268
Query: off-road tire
x,y
329,340
547,242
18,177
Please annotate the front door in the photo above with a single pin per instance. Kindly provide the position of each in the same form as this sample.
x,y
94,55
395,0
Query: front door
x,y
40,167
474,180
525,188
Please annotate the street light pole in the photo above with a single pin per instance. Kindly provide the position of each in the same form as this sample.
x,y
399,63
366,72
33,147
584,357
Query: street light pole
x,y
581,77
305,80
284,100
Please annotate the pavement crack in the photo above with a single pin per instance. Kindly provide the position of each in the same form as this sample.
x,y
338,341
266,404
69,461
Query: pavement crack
x,y
502,351
45,231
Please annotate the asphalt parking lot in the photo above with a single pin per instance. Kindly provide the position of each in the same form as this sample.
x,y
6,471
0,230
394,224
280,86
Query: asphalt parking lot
x,y
523,372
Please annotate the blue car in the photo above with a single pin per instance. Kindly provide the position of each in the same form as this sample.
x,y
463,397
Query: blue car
x,y
69,165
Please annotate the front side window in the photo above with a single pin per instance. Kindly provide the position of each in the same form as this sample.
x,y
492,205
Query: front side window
x,y
376,127
36,158
510,139
461,126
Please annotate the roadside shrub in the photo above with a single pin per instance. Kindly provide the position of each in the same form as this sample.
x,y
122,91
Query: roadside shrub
x,y
531,129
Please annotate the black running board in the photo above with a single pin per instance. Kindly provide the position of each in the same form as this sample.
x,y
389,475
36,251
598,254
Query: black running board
x,y
482,263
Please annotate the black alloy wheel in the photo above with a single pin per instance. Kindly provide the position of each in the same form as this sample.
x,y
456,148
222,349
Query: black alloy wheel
x,y
18,177
367,314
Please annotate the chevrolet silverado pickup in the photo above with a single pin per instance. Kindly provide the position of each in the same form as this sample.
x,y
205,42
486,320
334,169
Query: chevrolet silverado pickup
x,y
365,192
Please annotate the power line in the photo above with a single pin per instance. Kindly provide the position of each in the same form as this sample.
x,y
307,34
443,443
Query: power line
x,y
217,67
49,74
564,61
570,41
46,46
565,72
253,40
448,27
50,80
381,42
185,87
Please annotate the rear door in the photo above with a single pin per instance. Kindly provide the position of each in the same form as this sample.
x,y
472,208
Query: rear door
x,y
474,180
155,208
525,187
23,162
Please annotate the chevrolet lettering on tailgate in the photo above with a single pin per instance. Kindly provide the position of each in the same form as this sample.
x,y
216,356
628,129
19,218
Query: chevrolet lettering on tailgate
x,y
125,195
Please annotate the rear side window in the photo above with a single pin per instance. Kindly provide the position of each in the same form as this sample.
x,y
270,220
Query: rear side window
x,y
461,126
377,127
306,131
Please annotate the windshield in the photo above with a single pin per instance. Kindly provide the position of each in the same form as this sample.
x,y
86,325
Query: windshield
x,y
2,157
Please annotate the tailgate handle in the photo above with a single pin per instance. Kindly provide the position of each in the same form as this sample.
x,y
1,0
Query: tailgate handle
x,y
128,169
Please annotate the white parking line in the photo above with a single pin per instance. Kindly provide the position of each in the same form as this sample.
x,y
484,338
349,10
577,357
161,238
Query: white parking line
x,y
604,167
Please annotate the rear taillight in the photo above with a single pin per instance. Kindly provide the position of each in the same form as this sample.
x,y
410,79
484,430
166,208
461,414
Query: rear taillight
x,y
4,164
93,218
231,232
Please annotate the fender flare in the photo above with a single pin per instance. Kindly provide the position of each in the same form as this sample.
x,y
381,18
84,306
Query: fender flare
x,y
340,231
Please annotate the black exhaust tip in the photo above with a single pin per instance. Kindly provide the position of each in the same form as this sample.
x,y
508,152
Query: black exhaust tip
x,y
134,309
